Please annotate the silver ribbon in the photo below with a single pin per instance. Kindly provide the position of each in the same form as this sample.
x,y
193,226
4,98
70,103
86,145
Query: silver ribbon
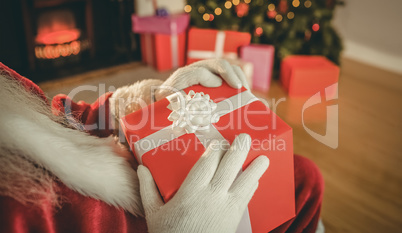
x,y
217,53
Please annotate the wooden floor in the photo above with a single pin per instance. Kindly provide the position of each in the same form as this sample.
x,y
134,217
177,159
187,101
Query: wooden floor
x,y
363,175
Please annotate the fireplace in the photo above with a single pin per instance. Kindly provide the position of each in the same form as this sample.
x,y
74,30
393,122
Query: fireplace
x,y
66,37
61,34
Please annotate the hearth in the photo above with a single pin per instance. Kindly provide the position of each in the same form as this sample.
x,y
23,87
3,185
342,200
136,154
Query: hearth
x,y
66,37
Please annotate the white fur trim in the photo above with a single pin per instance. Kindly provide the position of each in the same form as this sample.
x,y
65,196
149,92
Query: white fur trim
x,y
92,166
128,99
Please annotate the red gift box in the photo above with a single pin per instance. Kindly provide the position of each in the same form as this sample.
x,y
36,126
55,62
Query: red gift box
x,y
170,153
303,75
163,51
209,43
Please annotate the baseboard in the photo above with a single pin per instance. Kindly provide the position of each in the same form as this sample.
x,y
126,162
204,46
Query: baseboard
x,y
362,53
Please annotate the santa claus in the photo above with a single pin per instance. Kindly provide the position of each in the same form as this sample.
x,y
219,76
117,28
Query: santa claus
x,y
56,177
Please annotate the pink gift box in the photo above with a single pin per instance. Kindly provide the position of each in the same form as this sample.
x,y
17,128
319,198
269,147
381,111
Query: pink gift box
x,y
262,58
172,24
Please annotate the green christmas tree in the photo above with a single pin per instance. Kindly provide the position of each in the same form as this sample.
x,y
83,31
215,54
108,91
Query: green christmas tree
x,y
292,26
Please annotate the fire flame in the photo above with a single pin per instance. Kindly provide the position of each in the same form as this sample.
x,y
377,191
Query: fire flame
x,y
58,37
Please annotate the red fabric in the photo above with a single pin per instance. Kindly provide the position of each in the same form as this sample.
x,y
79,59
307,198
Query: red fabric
x,y
78,214
83,214
95,117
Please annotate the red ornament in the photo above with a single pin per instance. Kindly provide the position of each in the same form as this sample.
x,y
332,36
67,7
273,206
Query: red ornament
x,y
258,31
271,14
316,27
242,9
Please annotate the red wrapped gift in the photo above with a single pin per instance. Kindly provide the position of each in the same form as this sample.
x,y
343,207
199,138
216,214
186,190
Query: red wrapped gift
x,y
303,75
163,43
209,43
170,148
163,51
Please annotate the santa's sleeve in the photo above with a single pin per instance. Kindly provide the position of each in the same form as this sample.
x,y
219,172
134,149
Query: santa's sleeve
x,y
93,118
101,117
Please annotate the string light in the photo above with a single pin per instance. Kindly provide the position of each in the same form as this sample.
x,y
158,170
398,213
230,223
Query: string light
x,y
258,31
205,17
247,1
236,2
315,27
290,15
218,11
228,4
187,8
278,18
201,9
296,3
271,7
307,4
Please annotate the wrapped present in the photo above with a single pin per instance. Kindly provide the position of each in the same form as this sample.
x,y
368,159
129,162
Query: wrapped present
x,y
303,75
159,7
169,140
163,51
163,42
262,58
209,43
160,25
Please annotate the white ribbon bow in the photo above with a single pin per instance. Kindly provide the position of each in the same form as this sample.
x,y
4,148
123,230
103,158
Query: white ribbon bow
x,y
192,112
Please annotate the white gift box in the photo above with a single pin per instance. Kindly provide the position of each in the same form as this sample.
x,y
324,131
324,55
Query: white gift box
x,y
148,7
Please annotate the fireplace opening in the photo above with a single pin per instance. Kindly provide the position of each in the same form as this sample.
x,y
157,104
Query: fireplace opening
x,y
60,40
50,39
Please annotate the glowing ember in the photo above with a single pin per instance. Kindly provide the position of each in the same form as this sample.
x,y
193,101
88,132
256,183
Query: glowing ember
x,y
60,50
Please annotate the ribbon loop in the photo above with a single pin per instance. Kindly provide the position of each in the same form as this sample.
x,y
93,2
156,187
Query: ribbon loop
x,y
192,112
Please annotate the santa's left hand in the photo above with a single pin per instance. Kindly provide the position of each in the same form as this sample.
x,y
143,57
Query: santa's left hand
x,y
206,73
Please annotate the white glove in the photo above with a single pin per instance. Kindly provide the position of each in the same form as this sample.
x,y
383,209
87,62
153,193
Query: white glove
x,y
203,72
211,198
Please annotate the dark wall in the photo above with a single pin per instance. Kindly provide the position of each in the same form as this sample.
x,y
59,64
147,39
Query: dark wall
x,y
12,38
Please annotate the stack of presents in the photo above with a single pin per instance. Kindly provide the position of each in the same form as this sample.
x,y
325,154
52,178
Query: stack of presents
x,y
168,42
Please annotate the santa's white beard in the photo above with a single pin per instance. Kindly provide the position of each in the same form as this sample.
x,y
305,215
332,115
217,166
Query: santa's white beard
x,y
35,148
